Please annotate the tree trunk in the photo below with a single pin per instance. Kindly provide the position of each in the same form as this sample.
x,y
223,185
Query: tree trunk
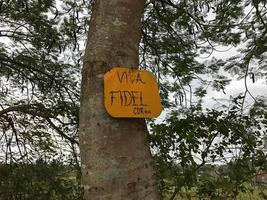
x,y
116,160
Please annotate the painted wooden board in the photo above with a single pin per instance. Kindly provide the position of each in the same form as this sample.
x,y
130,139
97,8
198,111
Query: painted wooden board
x,y
131,93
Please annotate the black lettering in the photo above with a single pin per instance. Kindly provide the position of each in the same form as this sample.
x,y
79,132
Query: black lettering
x,y
121,99
138,110
132,78
141,100
147,111
138,78
122,76
112,96
134,97
128,100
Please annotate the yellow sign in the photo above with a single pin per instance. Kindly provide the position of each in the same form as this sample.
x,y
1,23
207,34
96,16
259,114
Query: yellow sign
x,y
131,93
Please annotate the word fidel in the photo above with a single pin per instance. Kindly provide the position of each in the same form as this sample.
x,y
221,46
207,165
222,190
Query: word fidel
x,y
132,98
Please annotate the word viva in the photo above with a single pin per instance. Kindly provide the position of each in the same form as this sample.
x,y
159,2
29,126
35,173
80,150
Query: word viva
x,y
129,77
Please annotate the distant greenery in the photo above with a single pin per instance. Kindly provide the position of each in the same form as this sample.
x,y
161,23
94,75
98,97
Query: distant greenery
x,y
56,181
254,194
39,181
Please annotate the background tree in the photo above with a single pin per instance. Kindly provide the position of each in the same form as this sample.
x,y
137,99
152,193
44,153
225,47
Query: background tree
x,y
176,35
39,88
39,93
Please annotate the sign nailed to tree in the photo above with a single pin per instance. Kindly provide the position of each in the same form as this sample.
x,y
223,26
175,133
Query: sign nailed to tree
x,y
131,93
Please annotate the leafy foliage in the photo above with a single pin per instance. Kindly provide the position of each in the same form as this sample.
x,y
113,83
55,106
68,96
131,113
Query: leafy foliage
x,y
39,79
215,152
189,141
177,35
39,181
178,39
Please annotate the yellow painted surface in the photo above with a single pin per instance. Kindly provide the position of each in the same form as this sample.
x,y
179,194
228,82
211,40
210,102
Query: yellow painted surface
x,y
131,93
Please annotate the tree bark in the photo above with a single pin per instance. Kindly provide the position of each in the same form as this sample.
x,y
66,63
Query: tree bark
x,y
115,155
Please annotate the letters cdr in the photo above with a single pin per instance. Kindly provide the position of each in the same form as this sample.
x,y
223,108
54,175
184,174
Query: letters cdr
x,y
131,93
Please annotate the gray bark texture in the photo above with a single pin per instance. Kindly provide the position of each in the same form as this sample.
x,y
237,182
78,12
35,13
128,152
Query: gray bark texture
x,y
115,155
